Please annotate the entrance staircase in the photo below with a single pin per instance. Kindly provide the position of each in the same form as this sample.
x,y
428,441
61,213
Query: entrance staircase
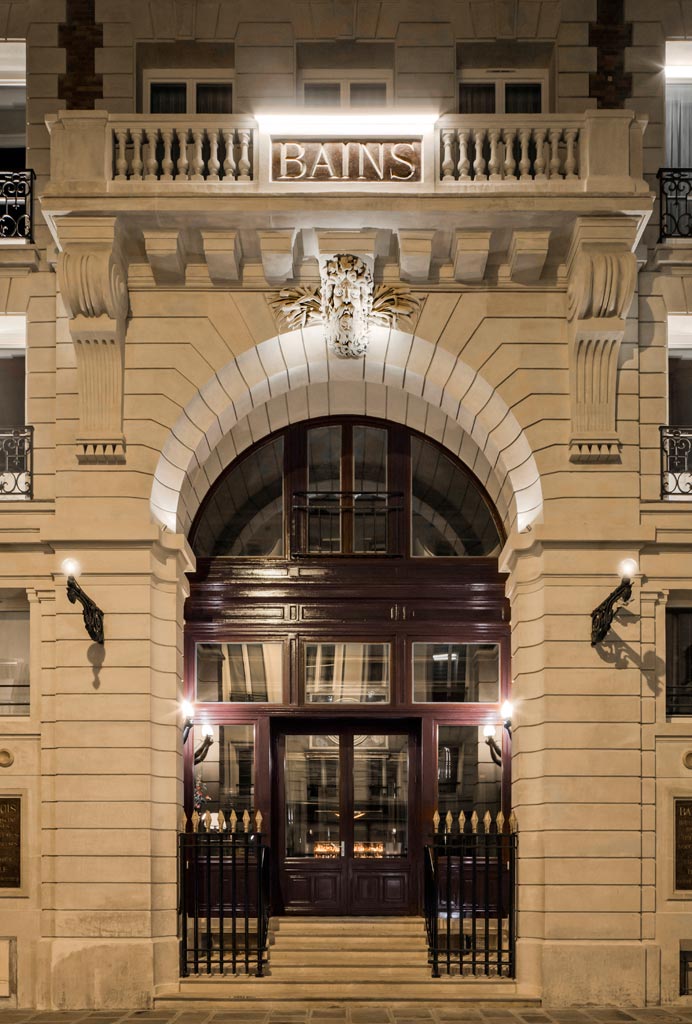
x,y
355,960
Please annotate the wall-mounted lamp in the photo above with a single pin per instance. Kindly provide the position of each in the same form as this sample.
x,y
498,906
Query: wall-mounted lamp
x,y
493,745
602,617
188,713
507,711
205,745
92,614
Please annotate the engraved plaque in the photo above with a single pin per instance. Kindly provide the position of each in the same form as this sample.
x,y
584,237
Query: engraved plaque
x,y
10,842
683,844
351,160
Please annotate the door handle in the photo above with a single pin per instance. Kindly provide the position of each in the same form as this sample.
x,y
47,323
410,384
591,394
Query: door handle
x,y
343,848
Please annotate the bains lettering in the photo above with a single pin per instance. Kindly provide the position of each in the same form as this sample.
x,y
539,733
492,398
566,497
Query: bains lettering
x,y
352,160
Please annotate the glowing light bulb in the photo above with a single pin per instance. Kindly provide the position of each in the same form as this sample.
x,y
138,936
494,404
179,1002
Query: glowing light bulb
x,y
488,730
506,711
187,710
71,567
207,729
628,568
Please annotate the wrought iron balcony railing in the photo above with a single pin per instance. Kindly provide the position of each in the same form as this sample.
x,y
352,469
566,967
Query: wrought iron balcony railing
x,y
17,204
675,195
678,699
676,462
346,523
16,462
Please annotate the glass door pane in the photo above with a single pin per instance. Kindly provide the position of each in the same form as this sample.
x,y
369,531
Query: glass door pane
x,y
380,796
311,781
324,487
369,482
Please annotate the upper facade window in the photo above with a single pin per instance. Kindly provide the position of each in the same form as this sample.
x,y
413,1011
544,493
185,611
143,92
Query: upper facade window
x,y
360,88
678,661
347,488
14,654
503,91
187,91
679,104
12,106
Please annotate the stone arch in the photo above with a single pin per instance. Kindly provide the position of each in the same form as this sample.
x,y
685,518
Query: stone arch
x,y
293,377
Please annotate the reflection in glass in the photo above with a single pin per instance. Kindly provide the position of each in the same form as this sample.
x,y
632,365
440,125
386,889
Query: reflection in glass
x,y
324,477
450,516
244,515
467,778
346,673
225,780
311,779
456,672
245,672
14,662
369,477
380,796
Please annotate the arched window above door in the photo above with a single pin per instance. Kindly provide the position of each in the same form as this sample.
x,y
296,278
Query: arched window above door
x,y
347,488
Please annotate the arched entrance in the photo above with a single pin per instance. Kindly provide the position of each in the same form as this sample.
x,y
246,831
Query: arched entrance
x,y
347,648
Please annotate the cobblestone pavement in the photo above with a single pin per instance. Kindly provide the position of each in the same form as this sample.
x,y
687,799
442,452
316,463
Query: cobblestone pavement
x,y
329,1013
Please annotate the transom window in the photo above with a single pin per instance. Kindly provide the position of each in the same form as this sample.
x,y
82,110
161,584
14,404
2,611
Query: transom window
x,y
347,489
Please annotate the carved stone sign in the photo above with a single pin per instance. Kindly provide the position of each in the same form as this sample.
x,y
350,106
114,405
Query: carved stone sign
x,y
683,844
354,160
10,842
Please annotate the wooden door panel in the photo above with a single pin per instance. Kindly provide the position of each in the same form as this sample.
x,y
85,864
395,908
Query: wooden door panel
x,y
312,888
380,887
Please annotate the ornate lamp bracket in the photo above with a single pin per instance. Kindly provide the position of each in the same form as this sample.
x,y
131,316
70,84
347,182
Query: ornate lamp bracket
x,y
93,616
602,617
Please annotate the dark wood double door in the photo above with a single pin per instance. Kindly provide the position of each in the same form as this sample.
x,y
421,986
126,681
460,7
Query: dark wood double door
x,y
347,797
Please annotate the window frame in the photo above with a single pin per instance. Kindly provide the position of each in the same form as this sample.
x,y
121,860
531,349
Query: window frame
x,y
344,79
500,77
191,78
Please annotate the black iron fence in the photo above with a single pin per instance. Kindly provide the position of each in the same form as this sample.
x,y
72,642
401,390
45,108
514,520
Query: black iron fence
x,y
470,896
17,462
17,204
674,193
346,522
224,898
676,461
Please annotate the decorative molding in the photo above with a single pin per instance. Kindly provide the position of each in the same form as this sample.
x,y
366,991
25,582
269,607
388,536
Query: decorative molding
x,y
470,250
166,254
601,285
93,285
223,253
346,303
527,255
276,249
415,254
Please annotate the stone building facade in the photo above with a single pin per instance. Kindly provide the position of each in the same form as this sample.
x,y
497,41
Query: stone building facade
x,y
535,353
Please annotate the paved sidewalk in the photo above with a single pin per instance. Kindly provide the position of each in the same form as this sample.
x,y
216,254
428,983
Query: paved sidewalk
x,y
327,1013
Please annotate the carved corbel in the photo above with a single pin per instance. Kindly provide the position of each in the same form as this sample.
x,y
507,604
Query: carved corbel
x,y
602,279
93,284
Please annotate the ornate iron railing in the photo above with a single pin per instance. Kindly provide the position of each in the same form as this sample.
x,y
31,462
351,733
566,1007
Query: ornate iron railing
x,y
346,522
678,700
470,897
17,204
16,462
224,888
676,462
675,193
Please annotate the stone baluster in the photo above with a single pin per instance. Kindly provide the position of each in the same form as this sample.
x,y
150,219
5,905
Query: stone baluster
x,y
244,161
137,162
510,167
183,163
229,168
479,162
121,158
197,158
571,154
524,159
555,134
494,162
448,137
214,164
167,162
463,166
539,165
151,161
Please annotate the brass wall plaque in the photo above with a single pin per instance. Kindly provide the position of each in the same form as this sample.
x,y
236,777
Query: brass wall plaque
x,y
683,844
352,160
10,842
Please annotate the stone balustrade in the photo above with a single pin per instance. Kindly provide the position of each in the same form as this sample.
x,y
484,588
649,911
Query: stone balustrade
x,y
164,149
517,148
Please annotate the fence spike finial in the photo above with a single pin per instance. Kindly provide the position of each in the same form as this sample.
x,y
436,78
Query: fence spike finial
x,y
246,820
258,821
500,822
222,821
487,821
183,821
233,820
462,822
436,821
195,820
448,821
207,821
474,822
513,823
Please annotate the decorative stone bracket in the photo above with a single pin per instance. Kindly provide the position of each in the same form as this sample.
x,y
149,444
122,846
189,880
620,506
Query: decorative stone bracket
x,y
602,275
93,284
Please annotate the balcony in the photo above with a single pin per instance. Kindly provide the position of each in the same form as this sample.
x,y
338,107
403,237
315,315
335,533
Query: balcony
x,y
16,462
16,205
